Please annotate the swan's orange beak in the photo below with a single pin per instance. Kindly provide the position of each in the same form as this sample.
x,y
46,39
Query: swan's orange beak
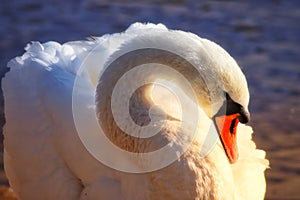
x,y
226,126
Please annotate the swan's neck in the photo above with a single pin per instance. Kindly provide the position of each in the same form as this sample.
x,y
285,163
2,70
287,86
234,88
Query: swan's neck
x,y
136,64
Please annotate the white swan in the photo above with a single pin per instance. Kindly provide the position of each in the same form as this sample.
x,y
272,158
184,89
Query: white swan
x,y
45,158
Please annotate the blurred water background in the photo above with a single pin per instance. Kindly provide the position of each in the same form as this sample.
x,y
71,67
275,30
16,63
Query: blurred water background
x,y
262,35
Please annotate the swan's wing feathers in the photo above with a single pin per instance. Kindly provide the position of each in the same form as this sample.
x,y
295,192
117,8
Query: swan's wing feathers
x,y
248,148
96,51
249,170
34,96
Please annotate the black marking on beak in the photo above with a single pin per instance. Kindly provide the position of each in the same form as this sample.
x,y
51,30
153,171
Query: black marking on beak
x,y
232,107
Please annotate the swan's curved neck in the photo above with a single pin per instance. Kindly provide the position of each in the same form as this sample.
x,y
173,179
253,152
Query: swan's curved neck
x,y
140,103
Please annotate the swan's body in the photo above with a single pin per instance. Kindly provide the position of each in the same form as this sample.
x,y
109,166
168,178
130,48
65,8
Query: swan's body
x,y
45,158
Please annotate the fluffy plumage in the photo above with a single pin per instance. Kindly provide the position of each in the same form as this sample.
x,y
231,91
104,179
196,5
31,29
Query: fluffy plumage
x,y
45,159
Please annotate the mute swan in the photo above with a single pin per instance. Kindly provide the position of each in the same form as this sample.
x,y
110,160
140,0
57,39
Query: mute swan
x,y
48,156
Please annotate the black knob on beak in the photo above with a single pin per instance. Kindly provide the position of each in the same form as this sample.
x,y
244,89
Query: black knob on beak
x,y
244,116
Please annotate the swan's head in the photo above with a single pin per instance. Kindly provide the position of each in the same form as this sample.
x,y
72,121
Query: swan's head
x,y
228,91
229,83
222,90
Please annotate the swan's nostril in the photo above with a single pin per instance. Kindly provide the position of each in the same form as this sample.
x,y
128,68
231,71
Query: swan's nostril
x,y
232,126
